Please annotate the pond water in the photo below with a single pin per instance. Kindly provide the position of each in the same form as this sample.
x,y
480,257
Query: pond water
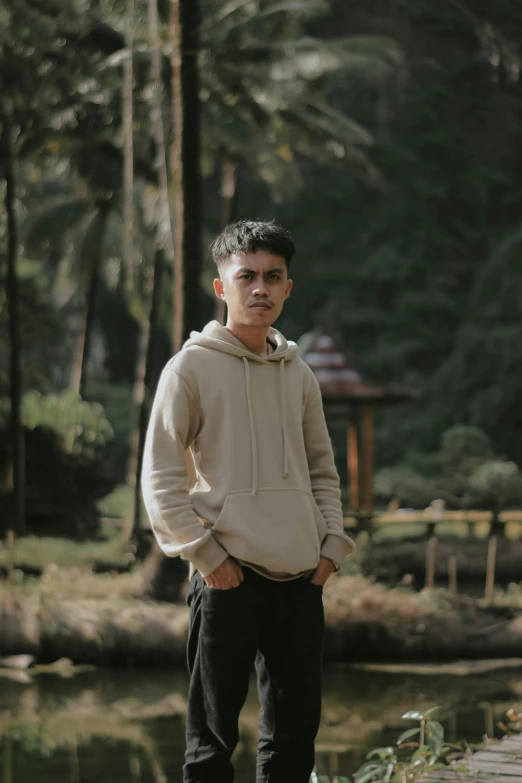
x,y
127,725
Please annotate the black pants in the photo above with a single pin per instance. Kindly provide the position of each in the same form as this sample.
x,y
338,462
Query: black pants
x,y
278,627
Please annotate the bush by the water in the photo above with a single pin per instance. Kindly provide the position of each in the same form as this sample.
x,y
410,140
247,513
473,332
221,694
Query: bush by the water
x,y
62,488
465,472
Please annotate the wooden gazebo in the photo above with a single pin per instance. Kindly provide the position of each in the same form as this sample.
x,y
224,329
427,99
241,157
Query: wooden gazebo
x,y
349,399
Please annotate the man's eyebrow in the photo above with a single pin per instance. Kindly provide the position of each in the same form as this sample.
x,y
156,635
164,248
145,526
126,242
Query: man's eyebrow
x,y
244,270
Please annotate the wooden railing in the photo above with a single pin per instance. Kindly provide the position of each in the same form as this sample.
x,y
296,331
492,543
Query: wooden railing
x,y
358,520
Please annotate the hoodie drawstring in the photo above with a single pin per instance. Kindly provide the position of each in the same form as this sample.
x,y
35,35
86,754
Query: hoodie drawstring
x,y
252,428
283,415
252,423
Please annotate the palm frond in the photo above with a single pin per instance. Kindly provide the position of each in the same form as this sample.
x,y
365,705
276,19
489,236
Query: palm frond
x,y
49,228
246,13
339,126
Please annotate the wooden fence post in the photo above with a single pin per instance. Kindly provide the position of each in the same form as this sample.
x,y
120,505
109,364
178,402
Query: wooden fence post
x,y
74,762
333,764
431,551
10,567
490,568
135,767
369,458
452,574
353,465
7,776
489,723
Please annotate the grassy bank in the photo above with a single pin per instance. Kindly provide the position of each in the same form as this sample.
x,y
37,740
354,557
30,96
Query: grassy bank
x,y
104,619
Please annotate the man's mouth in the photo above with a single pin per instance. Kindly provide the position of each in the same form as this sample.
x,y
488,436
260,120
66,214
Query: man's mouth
x,y
261,306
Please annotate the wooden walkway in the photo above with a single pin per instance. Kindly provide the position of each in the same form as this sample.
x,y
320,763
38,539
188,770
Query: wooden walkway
x,y
496,764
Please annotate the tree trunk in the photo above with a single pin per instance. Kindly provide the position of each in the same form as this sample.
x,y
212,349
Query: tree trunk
x,y
229,181
164,576
186,150
138,397
128,146
142,401
75,382
79,348
165,237
88,321
164,243
15,340
92,293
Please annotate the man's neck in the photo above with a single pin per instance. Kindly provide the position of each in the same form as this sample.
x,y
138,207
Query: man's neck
x,y
254,339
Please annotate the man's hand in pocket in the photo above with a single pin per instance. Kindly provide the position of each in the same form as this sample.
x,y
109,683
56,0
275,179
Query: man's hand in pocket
x,y
323,571
226,576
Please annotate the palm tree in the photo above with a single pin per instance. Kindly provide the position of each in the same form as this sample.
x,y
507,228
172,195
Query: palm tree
x,y
80,249
128,147
139,390
265,90
8,173
185,161
164,249
35,41
229,194
165,575
265,105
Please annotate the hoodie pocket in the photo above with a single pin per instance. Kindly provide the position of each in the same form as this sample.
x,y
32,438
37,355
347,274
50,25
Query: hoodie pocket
x,y
280,529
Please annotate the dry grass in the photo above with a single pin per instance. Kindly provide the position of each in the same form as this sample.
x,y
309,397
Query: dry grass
x,y
38,552
350,599
81,583
113,631
103,619
93,618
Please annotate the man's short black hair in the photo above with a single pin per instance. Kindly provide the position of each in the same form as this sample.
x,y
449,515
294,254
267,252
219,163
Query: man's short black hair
x,y
249,236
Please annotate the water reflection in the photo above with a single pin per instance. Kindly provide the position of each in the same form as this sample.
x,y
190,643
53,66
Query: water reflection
x,y
112,726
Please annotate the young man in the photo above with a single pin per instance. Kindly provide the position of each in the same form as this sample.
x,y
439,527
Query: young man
x,y
261,524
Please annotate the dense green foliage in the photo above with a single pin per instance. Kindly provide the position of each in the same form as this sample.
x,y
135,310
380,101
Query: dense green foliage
x,y
65,442
62,487
464,473
423,280
384,136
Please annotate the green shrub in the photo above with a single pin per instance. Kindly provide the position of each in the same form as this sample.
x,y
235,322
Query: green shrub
x,y
64,443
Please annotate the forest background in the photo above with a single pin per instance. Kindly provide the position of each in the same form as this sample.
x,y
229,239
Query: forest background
x,y
385,135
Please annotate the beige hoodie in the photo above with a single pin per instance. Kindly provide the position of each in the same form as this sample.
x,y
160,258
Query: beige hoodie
x,y
266,489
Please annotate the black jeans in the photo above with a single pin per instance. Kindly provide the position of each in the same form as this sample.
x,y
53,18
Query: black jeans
x,y
278,627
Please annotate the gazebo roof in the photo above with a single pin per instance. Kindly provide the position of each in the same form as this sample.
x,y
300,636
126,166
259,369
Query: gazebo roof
x,y
338,381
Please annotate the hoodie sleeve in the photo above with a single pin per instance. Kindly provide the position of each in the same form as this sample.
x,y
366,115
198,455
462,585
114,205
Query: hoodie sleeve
x,y
173,425
324,477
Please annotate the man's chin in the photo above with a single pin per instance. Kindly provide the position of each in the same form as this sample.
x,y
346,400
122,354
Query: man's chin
x,y
260,317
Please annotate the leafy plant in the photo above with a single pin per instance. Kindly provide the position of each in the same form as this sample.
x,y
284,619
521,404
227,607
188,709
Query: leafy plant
x,y
64,413
430,752
464,471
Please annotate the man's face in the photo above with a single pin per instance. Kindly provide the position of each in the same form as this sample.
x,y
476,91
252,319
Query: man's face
x,y
254,286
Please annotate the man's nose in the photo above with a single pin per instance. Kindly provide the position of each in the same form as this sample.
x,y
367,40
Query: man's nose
x,y
260,288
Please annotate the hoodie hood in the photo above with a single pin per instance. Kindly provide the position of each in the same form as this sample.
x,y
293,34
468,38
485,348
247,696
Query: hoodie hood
x,y
218,338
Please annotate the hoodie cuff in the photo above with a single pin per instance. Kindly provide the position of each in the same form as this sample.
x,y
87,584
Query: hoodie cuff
x,y
336,548
208,556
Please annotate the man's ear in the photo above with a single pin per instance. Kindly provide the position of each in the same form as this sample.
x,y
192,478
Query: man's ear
x,y
218,288
289,284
